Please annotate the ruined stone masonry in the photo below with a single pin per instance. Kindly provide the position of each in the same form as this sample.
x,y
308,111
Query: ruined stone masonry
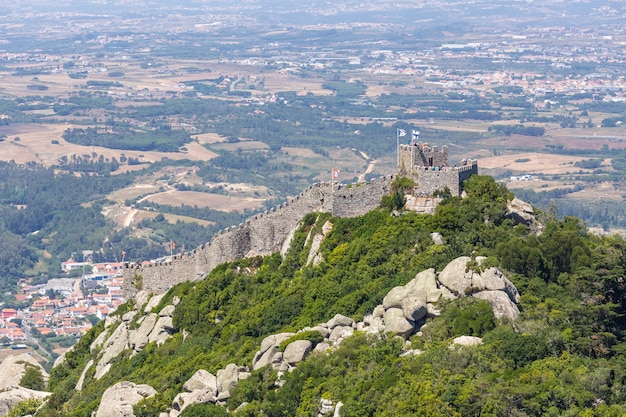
x,y
266,233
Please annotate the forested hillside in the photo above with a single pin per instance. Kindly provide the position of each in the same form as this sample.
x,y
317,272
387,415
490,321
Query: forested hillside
x,y
48,215
564,356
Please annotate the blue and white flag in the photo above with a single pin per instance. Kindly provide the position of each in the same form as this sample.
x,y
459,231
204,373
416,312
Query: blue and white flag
x,y
416,135
401,132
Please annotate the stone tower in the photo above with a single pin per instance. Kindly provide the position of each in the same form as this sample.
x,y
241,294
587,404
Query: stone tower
x,y
428,167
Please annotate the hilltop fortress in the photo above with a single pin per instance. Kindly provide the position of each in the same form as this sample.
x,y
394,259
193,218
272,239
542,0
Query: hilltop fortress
x,y
271,231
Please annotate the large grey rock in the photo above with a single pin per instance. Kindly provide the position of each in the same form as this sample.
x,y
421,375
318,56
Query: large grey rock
x,y
99,341
462,281
326,406
522,213
396,323
115,344
129,316
437,238
152,303
11,397
167,311
313,258
379,311
297,351
501,304
13,368
201,380
274,340
339,333
456,278
467,341
321,329
141,298
287,243
139,338
119,399
163,329
227,379
432,310
424,285
322,347
377,326
394,297
81,380
263,359
277,361
414,308
361,326
110,321
186,399
340,320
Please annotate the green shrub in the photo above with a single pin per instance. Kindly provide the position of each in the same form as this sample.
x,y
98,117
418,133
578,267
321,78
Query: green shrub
x,y
24,408
204,410
312,336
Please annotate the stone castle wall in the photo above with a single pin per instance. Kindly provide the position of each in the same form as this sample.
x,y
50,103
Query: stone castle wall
x,y
431,179
262,234
268,232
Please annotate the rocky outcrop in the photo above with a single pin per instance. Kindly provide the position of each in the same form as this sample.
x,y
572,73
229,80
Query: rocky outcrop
x,y
418,204
201,388
467,341
12,369
403,312
490,285
522,213
405,308
10,398
131,334
315,258
119,399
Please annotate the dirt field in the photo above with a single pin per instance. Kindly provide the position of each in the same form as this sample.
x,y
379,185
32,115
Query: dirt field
x,y
275,83
537,163
209,138
212,201
300,152
35,144
245,145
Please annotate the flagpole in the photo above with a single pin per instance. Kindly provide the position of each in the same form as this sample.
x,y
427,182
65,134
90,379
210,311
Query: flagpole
x,y
397,147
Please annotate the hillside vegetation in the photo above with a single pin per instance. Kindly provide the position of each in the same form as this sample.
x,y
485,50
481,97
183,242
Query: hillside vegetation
x,y
564,356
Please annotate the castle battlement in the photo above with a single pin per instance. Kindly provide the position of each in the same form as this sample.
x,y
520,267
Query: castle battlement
x,y
269,232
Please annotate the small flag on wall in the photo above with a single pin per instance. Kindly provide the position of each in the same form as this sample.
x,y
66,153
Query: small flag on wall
x,y
336,172
416,135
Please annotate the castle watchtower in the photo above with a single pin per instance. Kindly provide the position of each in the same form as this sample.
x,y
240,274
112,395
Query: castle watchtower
x,y
428,167
421,155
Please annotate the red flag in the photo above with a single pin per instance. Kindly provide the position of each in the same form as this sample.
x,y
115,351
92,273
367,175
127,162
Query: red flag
x,y
123,255
336,172
173,245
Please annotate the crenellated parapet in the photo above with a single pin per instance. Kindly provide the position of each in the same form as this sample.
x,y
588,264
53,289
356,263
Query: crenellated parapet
x,y
266,233
262,234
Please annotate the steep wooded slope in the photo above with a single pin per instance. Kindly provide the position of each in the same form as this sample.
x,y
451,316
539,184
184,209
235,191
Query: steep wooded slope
x,y
563,356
